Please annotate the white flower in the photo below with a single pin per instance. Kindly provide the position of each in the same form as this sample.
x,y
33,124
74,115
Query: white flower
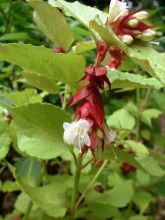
x,y
109,133
127,39
141,15
133,23
146,35
76,133
5,112
117,9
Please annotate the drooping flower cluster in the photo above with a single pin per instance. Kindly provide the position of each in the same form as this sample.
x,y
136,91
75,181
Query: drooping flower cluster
x,y
89,128
129,25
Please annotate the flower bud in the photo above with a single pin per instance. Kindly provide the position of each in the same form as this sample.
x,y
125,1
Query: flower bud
x,y
127,39
146,35
141,15
133,23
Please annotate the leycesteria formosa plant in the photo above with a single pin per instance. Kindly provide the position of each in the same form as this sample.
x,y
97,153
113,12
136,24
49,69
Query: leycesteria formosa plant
x,y
65,132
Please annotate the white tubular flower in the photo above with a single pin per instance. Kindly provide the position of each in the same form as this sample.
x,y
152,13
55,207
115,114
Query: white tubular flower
x,y
141,15
127,39
76,133
146,35
117,9
133,22
110,134
5,112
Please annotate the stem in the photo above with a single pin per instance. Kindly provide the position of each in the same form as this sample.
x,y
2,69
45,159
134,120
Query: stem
x,y
147,96
76,185
65,97
91,184
29,208
138,113
30,205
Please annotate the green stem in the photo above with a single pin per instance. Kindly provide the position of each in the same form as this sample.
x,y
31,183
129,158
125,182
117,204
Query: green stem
x,y
138,114
91,184
76,185
28,211
30,205
65,97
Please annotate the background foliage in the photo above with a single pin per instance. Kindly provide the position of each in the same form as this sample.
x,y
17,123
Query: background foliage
x,y
36,170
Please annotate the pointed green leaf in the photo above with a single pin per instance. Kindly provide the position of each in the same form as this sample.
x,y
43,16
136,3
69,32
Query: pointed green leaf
x,y
149,114
41,82
142,200
10,186
121,119
136,147
144,162
53,24
50,198
150,165
79,11
22,203
84,47
39,129
43,61
107,34
128,80
5,139
29,169
18,98
149,59
119,196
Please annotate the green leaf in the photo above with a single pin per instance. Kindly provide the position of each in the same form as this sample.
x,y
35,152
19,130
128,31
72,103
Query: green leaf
x,y
39,129
121,119
107,34
43,61
119,196
159,99
119,155
53,24
142,53
79,11
137,147
149,114
144,162
50,198
142,200
18,98
142,177
138,217
10,186
150,165
41,82
128,80
15,36
84,47
29,169
5,139
22,203
107,211
149,59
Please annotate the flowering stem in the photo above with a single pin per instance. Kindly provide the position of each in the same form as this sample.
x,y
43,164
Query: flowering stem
x,y
91,184
76,185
